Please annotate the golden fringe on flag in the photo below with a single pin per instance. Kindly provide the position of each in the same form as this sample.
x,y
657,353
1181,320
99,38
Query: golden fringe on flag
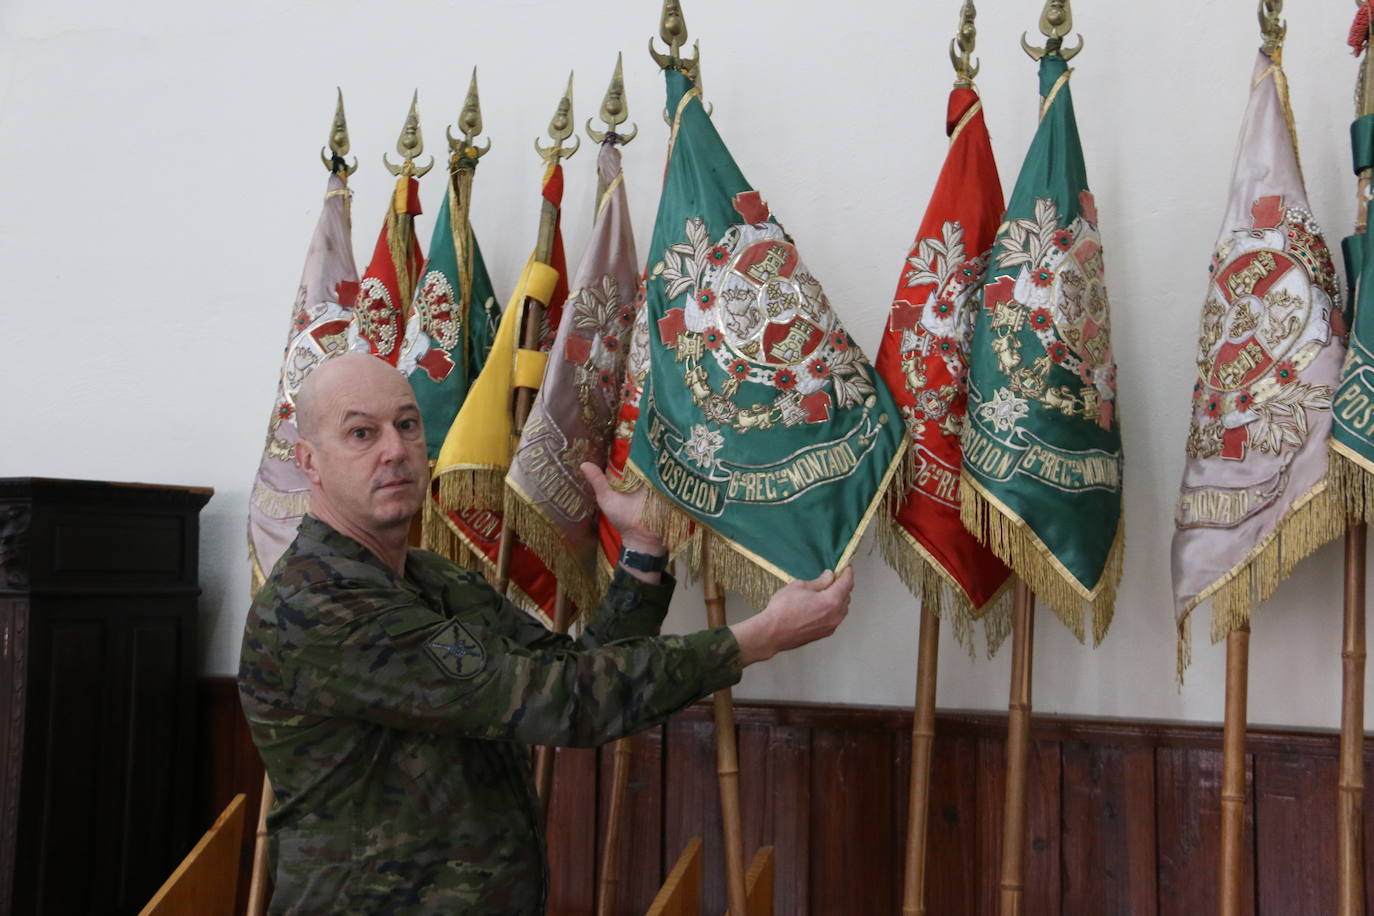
x,y
1352,482
941,594
546,540
1314,520
1019,547
733,566
471,468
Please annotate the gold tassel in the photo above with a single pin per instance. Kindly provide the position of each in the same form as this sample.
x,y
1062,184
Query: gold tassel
x,y
473,488
547,541
1314,520
941,594
1016,545
1353,484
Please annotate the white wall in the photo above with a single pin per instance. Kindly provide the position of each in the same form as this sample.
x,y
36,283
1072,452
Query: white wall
x,y
159,180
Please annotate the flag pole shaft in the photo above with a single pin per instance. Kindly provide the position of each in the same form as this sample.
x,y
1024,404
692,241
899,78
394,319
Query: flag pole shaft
x,y
545,756
1350,797
610,853
1233,772
257,881
524,397
1018,752
922,745
727,754
1350,786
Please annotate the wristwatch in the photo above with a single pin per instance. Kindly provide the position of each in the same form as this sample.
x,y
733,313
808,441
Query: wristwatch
x,y
643,562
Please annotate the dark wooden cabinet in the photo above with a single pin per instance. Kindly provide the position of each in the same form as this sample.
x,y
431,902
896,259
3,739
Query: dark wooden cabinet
x,y
98,589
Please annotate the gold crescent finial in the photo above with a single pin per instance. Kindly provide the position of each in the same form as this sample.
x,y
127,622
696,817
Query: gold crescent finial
x,y
1056,22
338,143
672,28
961,48
1272,27
560,129
470,125
410,144
614,109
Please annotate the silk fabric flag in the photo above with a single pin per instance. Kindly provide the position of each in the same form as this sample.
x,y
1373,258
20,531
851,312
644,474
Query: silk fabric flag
x,y
760,418
388,284
452,322
550,504
469,474
320,321
1254,499
1041,478
924,359
618,451
1352,434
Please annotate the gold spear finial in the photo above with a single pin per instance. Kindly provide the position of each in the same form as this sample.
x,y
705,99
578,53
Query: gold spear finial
x,y
614,109
672,28
470,123
1056,22
961,48
560,129
410,144
338,143
1272,27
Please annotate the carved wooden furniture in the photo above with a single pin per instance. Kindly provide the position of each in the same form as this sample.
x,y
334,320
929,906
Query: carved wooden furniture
x,y
98,588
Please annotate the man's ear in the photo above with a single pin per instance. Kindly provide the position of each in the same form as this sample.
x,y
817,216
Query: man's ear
x,y
305,458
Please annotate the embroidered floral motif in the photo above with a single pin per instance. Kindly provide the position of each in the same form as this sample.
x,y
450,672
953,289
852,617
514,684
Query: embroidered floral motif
x,y
753,309
377,316
1060,293
1267,316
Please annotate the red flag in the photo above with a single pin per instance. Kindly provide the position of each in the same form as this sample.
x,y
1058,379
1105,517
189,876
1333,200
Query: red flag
x,y
384,296
924,360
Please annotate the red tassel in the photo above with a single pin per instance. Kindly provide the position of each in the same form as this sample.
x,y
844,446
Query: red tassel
x,y
1359,30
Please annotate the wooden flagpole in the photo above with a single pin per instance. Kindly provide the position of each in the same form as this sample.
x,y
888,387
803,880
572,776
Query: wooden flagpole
x,y
928,653
1350,796
1018,752
1350,786
922,744
673,31
727,754
1232,868
560,128
614,112
337,164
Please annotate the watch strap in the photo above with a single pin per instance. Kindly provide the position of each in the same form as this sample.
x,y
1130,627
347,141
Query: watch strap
x,y
643,562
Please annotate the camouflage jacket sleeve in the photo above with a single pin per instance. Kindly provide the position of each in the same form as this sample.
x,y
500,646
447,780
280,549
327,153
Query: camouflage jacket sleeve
x,y
629,608
377,653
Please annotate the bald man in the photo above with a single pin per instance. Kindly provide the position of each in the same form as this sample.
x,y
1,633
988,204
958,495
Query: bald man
x,y
392,694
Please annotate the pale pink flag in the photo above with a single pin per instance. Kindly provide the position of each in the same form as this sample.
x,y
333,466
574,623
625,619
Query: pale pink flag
x,y
1255,499
549,502
319,330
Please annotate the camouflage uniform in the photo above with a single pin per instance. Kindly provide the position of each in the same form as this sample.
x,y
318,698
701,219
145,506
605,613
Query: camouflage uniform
x,y
394,714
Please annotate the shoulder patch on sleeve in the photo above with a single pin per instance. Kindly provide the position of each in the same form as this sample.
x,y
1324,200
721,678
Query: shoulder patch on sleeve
x,y
456,651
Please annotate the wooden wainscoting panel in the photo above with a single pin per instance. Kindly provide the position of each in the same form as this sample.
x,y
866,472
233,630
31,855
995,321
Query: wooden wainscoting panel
x,y
1289,791
1123,817
572,838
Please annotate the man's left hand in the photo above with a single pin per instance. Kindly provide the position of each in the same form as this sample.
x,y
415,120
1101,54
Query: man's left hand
x,y
623,511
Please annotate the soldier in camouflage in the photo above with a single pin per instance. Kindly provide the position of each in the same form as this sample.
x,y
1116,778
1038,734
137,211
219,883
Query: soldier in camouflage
x,y
392,694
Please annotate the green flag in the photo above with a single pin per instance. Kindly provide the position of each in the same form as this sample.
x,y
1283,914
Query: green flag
x,y
452,324
761,420
1352,434
1041,478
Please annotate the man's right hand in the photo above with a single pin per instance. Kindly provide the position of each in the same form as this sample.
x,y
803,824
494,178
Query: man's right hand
x,y
798,613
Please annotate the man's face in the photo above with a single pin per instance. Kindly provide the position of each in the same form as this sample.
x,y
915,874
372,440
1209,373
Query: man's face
x,y
365,453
